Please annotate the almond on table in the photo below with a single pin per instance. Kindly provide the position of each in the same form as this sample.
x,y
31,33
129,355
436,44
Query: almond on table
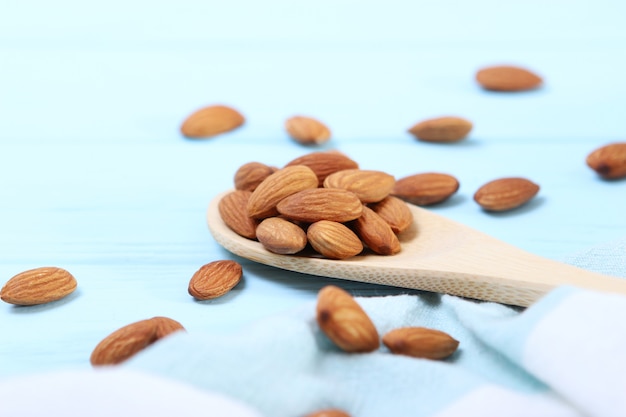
x,y
505,193
609,161
307,130
215,279
211,121
38,286
507,78
442,129
425,189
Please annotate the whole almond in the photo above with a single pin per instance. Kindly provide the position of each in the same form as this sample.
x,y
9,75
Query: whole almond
x,y
215,279
507,78
280,184
324,163
369,185
376,233
442,129
425,189
131,339
321,204
344,321
395,212
331,412
609,161
38,286
333,240
505,193
307,130
251,174
281,236
210,121
233,209
420,342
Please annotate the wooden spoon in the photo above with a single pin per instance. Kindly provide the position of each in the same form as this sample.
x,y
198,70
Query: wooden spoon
x,y
438,255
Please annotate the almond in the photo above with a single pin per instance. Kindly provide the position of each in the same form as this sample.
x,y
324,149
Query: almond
x,y
333,240
215,279
369,185
442,129
376,233
321,204
420,342
609,161
38,286
233,209
251,174
395,212
331,412
505,193
426,188
281,236
131,339
210,121
280,184
507,78
344,322
307,130
325,163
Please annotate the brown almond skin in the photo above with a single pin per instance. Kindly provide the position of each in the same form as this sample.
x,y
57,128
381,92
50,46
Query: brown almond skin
x,y
131,339
369,185
331,412
425,189
609,161
211,121
215,279
442,129
395,212
333,240
505,193
281,236
376,233
38,286
251,174
344,322
507,78
279,185
420,342
321,204
324,163
233,209
307,130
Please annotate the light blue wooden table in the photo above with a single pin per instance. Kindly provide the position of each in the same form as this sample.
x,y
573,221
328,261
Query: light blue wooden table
x,y
96,178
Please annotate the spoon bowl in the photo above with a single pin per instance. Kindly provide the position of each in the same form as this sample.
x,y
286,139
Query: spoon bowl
x,y
438,255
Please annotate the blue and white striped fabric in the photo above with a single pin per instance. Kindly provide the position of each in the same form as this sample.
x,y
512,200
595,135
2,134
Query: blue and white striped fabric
x,y
563,356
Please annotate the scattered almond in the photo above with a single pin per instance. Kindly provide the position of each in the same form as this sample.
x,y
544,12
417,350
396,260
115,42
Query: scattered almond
x,y
307,130
280,184
38,286
442,129
281,236
344,321
331,412
321,204
333,240
251,174
426,188
507,78
609,161
369,185
395,212
210,121
420,342
131,339
233,209
376,233
505,193
324,163
215,279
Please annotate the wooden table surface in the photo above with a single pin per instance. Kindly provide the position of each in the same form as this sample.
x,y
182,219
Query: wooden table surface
x,y
96,178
